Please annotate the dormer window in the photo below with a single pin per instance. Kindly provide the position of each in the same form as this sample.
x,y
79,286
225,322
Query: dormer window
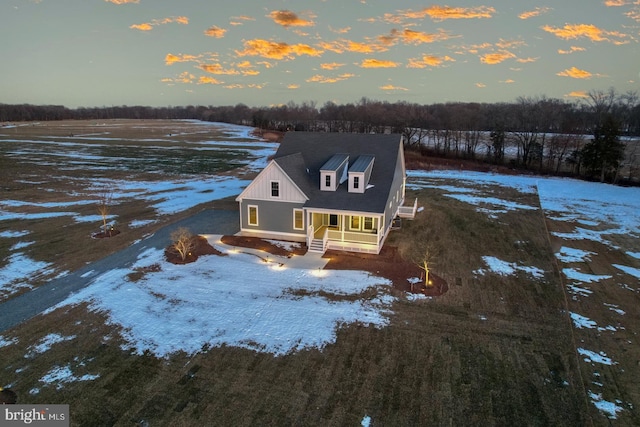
x,y
334,172
275,189
359,173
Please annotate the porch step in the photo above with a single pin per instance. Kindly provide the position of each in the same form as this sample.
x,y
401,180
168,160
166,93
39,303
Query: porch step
x,y
316,246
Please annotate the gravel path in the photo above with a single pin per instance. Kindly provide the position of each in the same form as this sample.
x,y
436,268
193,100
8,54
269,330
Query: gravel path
x,y
30,304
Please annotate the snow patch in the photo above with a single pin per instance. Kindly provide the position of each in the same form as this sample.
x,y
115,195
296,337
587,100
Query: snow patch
x,y
504,268
568,255
574,274
592,357
610,409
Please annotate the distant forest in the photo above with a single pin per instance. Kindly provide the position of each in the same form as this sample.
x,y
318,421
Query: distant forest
x,y
591,138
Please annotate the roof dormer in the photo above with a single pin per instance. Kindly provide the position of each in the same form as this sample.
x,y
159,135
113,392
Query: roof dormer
x,y
334,172
360,173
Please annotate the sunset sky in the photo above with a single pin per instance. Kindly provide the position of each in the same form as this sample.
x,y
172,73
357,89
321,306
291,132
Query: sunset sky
x,y
263,53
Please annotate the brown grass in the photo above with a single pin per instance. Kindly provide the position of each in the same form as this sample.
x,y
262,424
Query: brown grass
x,y
439,362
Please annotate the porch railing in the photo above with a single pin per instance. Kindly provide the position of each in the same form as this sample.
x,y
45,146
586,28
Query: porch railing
x,y
310,232
408,211
351,236
325,239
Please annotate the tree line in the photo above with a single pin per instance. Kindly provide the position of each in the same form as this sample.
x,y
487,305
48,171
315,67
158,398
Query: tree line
x,y
587,138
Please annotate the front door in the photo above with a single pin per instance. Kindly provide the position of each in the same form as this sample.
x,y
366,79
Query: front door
x,y
333,220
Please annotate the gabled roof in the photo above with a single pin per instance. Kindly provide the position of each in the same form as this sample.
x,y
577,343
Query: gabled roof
x,y
302,154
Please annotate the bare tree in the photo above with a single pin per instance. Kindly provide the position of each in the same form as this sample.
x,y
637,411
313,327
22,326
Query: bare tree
x,y
105,200
183,242
424,262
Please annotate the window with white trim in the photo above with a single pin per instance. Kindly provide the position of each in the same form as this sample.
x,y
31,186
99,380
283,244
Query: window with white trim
x,y
368,223
298,219
275,189
253,215
354,223
356,182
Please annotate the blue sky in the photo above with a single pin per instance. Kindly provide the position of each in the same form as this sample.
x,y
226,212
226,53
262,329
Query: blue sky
x,y
262,53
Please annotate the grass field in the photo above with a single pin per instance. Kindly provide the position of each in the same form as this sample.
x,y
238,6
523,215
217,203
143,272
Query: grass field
x,y
497,349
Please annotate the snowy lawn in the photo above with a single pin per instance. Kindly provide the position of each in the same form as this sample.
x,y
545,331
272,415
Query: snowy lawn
x,y
236,300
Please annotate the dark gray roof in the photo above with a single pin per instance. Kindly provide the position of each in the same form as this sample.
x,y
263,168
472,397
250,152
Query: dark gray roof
x,y
300,152
361,163
334,162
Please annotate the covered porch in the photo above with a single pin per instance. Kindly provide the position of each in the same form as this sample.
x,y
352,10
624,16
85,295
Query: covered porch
x,y
350,231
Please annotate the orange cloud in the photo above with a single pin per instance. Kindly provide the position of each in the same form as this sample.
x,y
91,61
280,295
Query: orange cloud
x,y
481,85
293,86
322,79
615,3
526,60
496,57
122,1
148,26
578,94
274,50
217,69
440,13
575,73
634,14
571,50
185,77
428,61
393,88
238,20
593,33
418,37
331,66
508,44
141,27
508,81
533,13
216,32
376,63
208,80
339,30
341,46
287,18
171,59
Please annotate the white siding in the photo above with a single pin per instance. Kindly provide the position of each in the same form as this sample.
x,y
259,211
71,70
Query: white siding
x,y
260,187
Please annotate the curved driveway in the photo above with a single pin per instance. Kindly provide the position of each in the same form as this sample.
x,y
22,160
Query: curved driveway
x,y
32,303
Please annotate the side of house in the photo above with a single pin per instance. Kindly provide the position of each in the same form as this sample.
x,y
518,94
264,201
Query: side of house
x,y
332,191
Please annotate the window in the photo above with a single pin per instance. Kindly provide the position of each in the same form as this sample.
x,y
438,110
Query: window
x,y
368,223
275,188
354,224
253,215
356,182
298,219
327,181
333,220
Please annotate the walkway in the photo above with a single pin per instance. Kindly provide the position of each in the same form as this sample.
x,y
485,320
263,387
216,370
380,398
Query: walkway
x,y
308,261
